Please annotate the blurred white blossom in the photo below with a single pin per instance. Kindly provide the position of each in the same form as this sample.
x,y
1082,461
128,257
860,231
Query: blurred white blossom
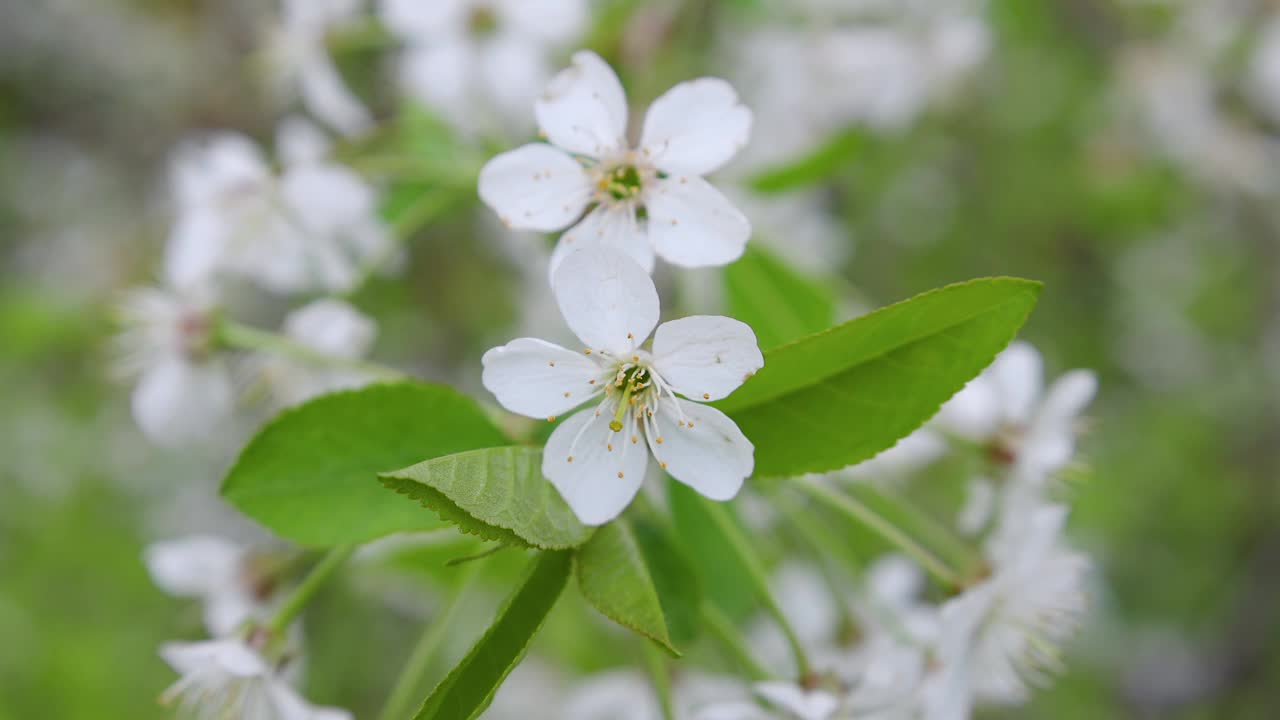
x,y
301,65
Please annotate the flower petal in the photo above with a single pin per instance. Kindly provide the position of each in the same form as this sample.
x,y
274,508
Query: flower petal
x,y
195,566
606,469
692,225
702,448
584,109
1018,373
333,327
329,98
614,227
607,300
705,357
539,379
231,656
535,187
177,402
695,127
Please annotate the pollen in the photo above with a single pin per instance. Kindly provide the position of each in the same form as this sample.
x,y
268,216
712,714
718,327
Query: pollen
x,y
587,351
567,394
552,363
551,418
610,446
634,439
591,381
690,425
570,459
620,475
664,465
635,358
659,440
630,336
705,396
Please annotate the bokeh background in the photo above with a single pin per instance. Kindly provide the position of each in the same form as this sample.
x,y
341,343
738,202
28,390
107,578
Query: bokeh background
x,y
1121,151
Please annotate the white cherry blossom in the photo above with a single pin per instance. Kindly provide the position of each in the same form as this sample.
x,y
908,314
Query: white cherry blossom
x,y
212,569
184,386
313,227
330,327
229,679
597,458
479,63
1001,636
1025,425
640,200
302,67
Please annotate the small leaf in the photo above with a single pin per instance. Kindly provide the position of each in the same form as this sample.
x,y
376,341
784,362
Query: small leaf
x,y
813,168
614,578
498,493
469,688
308,473
778,303
836,398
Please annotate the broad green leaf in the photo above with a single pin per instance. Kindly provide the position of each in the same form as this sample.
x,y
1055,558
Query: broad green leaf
x,y
778,303
614,577
469,688
309,473
726,580
839,397
679,588
813,168
498,493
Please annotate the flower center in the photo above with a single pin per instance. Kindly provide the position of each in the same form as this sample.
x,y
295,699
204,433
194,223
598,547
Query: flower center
x,y
483,21
631,382
623,182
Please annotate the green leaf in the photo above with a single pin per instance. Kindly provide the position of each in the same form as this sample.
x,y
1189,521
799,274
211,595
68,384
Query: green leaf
x,y
498,493
308,474
614,578
839,397
679,587
726,580
469,688
813,168
778,303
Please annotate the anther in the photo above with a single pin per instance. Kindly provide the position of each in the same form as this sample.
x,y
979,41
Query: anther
x,y
705,396
634,439
659,440
551,418
619,474
553,363
566,394
610,446
587,351
570,459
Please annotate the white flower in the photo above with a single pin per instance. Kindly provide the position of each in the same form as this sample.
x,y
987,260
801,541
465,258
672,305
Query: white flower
x,y
616,695
313,228
645,199
228,679
331,327
1031,429
211,569
184,387
480,62
598,457
302,66
786,701
1001,636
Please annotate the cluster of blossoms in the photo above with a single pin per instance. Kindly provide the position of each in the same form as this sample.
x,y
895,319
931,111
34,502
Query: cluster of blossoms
x,y
309,226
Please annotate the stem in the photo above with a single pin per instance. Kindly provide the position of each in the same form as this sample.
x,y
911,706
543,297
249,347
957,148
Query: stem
x,y
657,666
244,337
747,556
858,512
403,692
958,549
822,545
294,604
720,626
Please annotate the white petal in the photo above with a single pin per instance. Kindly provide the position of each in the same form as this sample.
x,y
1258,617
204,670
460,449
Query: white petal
x,y
512,68
440,74
299,142
424,21
177,402
692,225
332,327
599,482
702,448
194,566
1068,397
330,100
535,187
614,227
231,656
540,379
975,412
1018,373
607,300
801,704
584,109
705,357
550,22
223,614
206,168
695,127
196,249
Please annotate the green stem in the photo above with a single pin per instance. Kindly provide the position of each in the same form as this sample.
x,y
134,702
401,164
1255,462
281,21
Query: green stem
x,y
856,511
233,334
823,546
657,666
746,554
714,620
301,595
403,693
957,549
